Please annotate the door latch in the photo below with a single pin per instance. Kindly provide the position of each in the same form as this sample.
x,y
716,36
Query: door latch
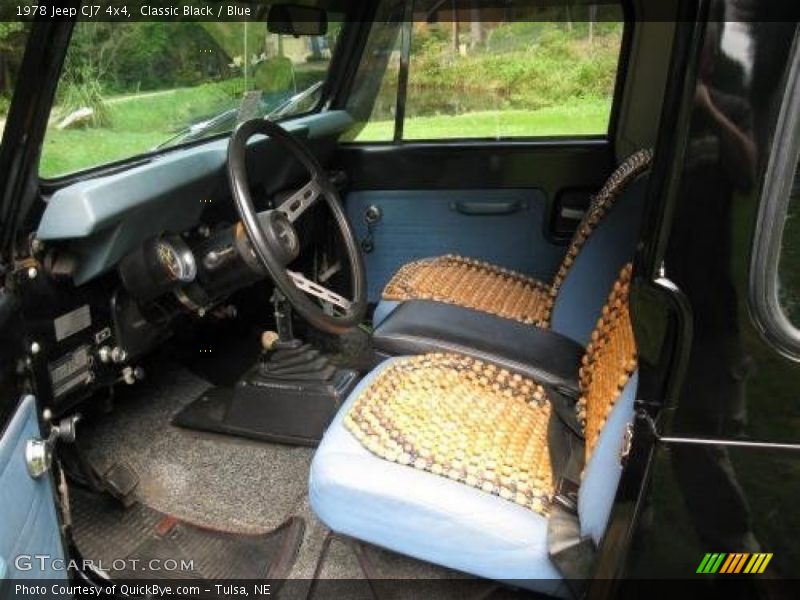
x,y
627,444
39,452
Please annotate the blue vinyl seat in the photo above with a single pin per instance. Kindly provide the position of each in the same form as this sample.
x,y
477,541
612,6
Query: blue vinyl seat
x,y
444,521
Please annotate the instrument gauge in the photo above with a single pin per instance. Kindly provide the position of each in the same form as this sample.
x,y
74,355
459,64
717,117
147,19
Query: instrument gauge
x,y
176,259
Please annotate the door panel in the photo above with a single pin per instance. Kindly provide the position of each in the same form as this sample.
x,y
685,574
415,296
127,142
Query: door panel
x,y
29,524
504,227
493,201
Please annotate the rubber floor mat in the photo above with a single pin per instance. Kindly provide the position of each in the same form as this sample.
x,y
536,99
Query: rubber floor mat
x,y
105,531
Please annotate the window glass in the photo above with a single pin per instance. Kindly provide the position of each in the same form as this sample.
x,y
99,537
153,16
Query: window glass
x,y
789,263
13,37
131,88
505,72
373,99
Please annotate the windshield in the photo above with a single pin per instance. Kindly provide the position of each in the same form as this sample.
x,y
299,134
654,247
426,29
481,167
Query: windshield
x,y
13,37
131,88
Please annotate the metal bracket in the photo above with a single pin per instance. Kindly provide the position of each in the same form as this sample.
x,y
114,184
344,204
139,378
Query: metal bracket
x,y
627,444
39,452
653,430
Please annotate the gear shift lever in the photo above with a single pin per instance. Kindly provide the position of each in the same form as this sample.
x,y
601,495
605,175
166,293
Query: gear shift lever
x,y
283,323
286,357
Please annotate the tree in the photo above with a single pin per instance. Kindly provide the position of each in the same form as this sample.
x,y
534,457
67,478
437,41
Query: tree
x,y
12,46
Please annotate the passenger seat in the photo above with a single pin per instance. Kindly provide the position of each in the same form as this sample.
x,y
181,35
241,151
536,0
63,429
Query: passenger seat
x,y
454,304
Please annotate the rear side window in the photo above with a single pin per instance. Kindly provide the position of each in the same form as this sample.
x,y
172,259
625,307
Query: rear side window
x,y
500,72
775,267
789,261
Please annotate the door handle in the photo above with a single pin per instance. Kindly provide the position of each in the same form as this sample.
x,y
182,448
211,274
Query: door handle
x,y
488,208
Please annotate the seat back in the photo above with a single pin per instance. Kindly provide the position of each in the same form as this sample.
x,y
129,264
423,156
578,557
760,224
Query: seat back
x,y
608,380
604,242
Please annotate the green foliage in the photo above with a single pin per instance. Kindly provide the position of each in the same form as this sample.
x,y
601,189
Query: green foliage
x,y
13,36
274,75
81,89
140,122
531,65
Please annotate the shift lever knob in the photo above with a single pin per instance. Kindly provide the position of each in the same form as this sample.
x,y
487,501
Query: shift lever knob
x,y
269,339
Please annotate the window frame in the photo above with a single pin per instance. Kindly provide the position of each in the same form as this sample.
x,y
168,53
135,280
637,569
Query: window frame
x,y
628,27
50,184
764,283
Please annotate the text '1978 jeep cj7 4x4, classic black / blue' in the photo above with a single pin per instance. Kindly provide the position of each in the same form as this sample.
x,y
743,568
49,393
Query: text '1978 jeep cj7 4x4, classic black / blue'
x,y
399,298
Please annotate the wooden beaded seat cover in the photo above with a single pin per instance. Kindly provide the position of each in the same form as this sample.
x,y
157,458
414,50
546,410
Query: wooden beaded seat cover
x,y
479,424
492,289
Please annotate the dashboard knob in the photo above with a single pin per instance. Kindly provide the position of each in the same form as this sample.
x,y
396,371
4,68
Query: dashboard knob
x,y
118,355
104,354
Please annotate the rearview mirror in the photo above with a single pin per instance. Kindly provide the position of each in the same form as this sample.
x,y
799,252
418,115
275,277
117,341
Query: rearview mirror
x,y
292,19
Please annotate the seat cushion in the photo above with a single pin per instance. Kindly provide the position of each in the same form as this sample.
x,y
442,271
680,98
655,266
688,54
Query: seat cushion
x,y
473,284
420,326
426,516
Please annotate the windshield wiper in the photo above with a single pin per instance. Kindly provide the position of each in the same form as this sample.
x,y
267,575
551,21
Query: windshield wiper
x,y
227,119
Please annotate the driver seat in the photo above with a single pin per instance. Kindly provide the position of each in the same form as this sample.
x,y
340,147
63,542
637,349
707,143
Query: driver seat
x,y
458,462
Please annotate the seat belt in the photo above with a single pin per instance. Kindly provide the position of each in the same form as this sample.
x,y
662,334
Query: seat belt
x,y
571,553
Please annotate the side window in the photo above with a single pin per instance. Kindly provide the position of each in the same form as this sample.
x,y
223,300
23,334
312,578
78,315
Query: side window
x,y
502,72
789,260
132,88
775,266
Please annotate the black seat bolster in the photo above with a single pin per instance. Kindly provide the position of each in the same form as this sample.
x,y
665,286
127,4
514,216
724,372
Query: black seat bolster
x,y
419,326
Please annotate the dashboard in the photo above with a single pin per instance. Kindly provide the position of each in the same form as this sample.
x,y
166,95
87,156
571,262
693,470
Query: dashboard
x,y
116,258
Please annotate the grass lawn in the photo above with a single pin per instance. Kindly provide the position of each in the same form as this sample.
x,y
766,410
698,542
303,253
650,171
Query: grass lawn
x,y
138,123
579,117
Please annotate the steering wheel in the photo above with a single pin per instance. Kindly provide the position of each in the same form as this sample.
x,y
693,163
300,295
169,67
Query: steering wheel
x,y
275,241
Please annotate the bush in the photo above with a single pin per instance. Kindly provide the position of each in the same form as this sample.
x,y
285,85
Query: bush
x,y
81,89
532,65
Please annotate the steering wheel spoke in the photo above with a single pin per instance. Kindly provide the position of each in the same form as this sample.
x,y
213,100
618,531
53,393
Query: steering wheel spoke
x,y
319,291
301,200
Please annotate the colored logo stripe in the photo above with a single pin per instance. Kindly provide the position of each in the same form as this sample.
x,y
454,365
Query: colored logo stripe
x,y
737,562
710,563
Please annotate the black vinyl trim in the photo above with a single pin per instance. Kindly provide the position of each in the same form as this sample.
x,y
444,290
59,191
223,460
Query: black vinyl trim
x,y
623,64
671,141
27,120
763,295
343,73
402,76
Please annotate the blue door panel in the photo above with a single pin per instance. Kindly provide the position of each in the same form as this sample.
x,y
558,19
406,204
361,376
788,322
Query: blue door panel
x,y
423,223
28,523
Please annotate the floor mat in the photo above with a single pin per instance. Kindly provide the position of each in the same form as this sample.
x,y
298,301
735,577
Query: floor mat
x,y
215,481
224,483
104,531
